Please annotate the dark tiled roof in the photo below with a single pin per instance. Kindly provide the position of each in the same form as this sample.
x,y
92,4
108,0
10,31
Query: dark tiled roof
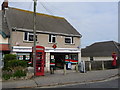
x,y
24,19
101,49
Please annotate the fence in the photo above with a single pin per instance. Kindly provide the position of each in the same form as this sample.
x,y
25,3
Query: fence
x,y
99,65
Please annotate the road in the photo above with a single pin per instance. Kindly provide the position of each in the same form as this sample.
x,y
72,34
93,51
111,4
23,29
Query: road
x,y
101,84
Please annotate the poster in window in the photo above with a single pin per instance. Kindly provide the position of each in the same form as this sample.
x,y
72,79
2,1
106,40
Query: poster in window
x,y
21,57
66,56
27,57
52,56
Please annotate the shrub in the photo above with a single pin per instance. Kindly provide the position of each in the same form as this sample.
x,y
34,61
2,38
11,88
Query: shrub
x,y
16,63
19,73
7,76
8,57
6,69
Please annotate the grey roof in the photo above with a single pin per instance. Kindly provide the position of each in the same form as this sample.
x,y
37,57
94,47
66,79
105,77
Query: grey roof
x,y
101,49
22,19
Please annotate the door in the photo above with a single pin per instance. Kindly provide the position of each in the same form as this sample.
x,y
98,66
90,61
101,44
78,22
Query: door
x,y
59,61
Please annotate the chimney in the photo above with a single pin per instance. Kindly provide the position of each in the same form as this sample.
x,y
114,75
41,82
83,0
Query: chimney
x,y
5,4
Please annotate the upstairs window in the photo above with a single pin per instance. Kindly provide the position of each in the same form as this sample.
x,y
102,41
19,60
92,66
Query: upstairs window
x,y
69,40
52,38
29,36
91,59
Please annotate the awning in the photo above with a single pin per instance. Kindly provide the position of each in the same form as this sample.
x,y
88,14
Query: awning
x,y
4,47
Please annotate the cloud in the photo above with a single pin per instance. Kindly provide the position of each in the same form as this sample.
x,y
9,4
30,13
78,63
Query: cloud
x,y
95,21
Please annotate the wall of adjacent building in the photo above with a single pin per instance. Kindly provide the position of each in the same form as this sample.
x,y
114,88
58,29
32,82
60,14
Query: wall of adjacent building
x,y
3,40
97,58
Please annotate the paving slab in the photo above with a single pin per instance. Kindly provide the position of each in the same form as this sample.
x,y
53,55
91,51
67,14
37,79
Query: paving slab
x,y
58,78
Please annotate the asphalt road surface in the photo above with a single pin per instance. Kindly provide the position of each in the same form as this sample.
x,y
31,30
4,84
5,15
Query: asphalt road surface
x,y
102,84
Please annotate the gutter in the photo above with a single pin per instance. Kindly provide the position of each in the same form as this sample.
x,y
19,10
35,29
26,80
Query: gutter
x,y
45,32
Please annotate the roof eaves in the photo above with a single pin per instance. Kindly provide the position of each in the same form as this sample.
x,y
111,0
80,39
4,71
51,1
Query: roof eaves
x,y
45,32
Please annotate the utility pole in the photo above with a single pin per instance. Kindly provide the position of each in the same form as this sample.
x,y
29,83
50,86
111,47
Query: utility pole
x,y
34,37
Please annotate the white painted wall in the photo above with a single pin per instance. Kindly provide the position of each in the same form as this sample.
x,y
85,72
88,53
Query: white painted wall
x,y
3,40
85,58
97,58
103,58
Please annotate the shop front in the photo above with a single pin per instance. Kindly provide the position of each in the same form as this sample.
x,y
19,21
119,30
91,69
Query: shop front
x,y
63,56
23,53
59,55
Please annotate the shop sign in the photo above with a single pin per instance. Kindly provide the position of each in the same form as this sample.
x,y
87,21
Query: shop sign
x,y
22,49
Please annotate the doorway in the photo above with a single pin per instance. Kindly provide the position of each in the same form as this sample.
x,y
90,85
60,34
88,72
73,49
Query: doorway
x,y
59,60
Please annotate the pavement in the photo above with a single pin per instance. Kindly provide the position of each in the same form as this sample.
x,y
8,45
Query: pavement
x,y
58,78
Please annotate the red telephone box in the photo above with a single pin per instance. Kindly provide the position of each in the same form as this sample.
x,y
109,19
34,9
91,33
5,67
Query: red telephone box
x,y
40,60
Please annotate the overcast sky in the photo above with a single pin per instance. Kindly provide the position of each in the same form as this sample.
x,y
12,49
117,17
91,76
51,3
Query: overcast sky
x,y
96,21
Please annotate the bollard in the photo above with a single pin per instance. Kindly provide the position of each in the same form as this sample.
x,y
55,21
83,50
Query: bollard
x,y
64,69
103,65
90,66
76,67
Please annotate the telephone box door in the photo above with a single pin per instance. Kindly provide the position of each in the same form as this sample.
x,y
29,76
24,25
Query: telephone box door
x,y
40,60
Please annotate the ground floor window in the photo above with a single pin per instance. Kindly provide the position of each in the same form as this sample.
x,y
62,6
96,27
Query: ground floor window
x,y
61,58
72,56
23,56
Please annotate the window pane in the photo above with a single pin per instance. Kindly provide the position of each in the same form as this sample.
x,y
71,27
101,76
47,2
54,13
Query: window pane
x,y
53,39
25,35
49,38
30,37
91,58
67,40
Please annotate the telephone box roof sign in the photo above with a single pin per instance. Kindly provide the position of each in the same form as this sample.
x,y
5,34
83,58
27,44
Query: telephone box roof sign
x,y
40,47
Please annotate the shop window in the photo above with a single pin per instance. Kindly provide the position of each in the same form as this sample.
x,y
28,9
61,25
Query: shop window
x,y
69,40
23,56
52,38
73,56
29,36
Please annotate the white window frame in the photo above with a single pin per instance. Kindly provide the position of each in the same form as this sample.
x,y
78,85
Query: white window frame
x,y
51,38
28,33
71,40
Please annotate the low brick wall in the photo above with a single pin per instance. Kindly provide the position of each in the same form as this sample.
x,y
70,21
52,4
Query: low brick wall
x,y
99,65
